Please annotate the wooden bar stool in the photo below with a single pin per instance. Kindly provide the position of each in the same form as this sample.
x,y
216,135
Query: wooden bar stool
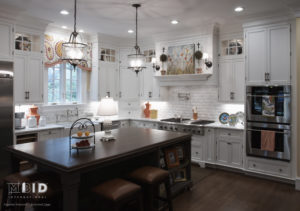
x,y
150,178
117,193
52,195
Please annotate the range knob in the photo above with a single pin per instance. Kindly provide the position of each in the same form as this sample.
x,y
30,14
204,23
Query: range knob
x,y
189,130
165,127
161,127
199,131
193,131
176,128
184,130
171,128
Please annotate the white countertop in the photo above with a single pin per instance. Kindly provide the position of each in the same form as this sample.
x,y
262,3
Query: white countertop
x,y
67,125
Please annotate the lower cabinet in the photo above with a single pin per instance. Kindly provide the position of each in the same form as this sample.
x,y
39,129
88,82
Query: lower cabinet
x,y
50,134
143,124
229,148
269,167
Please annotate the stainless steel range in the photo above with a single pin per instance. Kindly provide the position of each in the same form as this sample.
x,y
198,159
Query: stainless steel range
x,y
184,125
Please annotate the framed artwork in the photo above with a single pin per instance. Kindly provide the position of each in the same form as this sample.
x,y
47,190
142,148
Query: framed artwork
x,y
180,152
180,175
172,157
181,60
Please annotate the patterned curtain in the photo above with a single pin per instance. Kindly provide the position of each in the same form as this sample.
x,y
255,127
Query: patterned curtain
x,y
53,53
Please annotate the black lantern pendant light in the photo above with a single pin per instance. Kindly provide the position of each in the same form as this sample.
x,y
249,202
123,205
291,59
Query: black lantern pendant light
x,y
74,51
137,60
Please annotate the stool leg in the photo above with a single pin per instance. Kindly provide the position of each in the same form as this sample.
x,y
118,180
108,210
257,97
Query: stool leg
x,y
149,198
140,202
4,196
169,195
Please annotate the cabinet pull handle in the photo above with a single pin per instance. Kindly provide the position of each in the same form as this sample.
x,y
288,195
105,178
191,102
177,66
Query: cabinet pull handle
x,y
150,94
108,94
267,76
120,94
254,165
231,95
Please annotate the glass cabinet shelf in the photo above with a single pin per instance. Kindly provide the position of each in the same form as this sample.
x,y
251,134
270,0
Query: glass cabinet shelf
x,y
232,47
27,42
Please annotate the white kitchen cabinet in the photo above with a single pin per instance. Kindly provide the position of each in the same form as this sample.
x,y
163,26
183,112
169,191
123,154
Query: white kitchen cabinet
x,y
231,80
269,167
268,54
50,134
198,146
109,79
129,85
229,148
210,145
28,85
6,41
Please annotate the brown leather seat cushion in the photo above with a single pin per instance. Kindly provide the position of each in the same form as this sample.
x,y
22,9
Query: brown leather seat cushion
x,y
149,175
31,175
116,189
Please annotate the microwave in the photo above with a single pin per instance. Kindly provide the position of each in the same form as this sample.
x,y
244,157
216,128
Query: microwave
x,y
268,104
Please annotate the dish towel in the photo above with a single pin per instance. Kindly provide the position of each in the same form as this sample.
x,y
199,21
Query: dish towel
x,y
267,140
268,106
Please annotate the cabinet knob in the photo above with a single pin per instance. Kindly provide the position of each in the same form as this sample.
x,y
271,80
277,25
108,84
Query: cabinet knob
x,y
254,165
229,134
280,170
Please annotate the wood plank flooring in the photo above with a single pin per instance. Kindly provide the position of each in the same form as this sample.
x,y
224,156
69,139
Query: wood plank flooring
x,y
218,190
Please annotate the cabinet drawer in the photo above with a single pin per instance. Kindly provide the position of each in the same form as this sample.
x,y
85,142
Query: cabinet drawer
x,y
230,133
269,168
49,134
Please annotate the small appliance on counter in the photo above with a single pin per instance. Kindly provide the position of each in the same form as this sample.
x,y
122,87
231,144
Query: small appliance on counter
x,y
43,121
32,123
19,120
33,111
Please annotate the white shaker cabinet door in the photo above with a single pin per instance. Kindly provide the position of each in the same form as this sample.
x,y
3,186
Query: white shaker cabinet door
x,y
6,35
35,79
256,55
279,54
19,78
239,80
225,80
223,151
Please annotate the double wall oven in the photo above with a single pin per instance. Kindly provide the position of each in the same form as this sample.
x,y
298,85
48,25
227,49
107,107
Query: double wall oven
x,y
268,113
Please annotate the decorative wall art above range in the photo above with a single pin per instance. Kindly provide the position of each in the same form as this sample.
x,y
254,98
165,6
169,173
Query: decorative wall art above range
x,y
181,60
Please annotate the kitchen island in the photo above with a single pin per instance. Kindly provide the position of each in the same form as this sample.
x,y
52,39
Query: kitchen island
x,y
133,148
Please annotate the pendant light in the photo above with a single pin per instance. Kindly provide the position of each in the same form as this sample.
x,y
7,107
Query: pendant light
x,y
137,60
74,51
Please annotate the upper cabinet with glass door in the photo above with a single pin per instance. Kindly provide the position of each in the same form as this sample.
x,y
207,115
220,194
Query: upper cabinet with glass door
x,y
232,47
107,55
25,42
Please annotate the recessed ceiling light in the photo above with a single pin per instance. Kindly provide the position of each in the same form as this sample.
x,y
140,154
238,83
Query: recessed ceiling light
x,y
174,22
130,31
81,30
64,12
239,9
64,27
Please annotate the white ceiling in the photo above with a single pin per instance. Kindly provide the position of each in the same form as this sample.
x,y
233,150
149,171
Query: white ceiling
x,y
115,17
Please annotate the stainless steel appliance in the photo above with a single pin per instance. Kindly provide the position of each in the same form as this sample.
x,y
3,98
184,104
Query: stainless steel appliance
x,y
278,122
19,120
282,140
254,106
184,125
6,112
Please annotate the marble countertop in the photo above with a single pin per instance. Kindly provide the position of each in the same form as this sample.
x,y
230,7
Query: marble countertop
x,y
66,125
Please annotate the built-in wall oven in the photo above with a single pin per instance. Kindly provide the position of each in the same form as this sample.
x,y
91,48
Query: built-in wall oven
x,y
282,145
268,114
258,98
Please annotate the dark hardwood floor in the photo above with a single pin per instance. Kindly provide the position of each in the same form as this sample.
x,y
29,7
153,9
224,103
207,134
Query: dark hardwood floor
x,y
218,190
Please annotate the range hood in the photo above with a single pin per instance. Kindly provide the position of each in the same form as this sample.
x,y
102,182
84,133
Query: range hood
x,y
183,79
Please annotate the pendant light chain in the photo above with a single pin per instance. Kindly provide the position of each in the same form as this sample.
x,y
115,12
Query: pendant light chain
x,y
75,15
136,29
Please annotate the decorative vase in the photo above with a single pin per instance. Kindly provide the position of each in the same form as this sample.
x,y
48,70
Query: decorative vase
x,y
147,110
33,112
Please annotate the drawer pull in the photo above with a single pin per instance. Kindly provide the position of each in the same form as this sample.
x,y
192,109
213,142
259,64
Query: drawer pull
x,y
254,165
229,134
280,170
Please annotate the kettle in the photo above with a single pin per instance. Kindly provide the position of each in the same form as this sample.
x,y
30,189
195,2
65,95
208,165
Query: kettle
x,y
32,122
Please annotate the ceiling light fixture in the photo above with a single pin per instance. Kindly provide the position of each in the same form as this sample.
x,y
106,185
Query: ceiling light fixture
x,y
174,22
64,27
73,51
64,12
239,9
130,31
136,60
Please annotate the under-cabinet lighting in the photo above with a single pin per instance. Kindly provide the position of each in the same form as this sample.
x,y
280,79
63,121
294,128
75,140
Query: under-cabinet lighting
x,y
64,12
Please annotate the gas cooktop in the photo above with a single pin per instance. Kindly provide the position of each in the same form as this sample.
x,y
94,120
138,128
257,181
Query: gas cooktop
x,y
177,120
188,121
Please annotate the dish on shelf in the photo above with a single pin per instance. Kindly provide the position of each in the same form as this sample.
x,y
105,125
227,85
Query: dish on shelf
x,y
91,135
232,119
240,116
83,147
223,118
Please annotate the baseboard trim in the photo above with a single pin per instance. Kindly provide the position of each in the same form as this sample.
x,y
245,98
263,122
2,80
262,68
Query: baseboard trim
x,y
297,183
